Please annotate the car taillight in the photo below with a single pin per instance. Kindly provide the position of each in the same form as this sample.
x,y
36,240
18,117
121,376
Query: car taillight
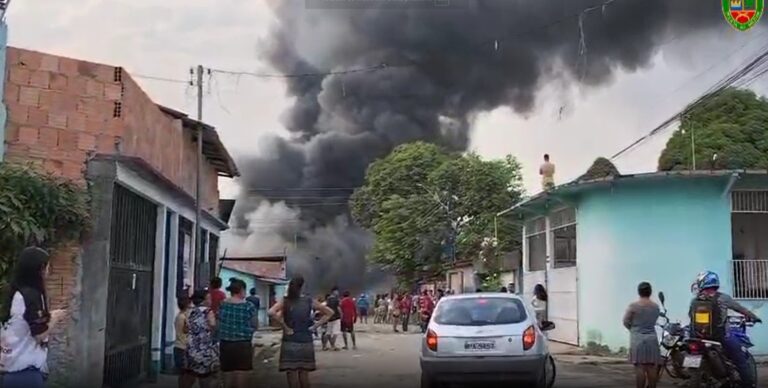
x,y
529,338
694,347
432,340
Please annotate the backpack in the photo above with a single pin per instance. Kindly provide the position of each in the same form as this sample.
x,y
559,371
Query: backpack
x,y
706,316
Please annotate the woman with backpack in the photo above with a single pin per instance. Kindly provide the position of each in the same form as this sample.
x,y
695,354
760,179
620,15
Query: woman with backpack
x,y
27,323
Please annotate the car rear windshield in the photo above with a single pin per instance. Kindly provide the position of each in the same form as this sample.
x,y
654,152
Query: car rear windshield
x,y
480,312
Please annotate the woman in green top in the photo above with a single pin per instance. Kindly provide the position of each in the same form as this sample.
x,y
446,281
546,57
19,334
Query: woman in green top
x,y
237,322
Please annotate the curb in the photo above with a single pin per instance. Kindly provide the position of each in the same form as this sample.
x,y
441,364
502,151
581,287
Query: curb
x,y
589,360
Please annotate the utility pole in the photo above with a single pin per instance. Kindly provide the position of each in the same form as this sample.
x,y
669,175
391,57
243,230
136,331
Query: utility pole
x,y
693,147
693,140
197,256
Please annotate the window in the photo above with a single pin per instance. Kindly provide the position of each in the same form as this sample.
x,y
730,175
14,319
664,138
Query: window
x,y
749,227
536,241
480,312
563,224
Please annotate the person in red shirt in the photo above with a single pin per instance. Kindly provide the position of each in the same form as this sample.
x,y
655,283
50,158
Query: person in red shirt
x,y
217,295
406,304
426,308
348,316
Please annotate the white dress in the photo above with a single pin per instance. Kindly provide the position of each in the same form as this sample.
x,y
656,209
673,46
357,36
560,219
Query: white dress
x,y
540,308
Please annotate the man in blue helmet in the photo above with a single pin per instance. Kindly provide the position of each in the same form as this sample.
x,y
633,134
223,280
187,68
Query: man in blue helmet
x,y
715,305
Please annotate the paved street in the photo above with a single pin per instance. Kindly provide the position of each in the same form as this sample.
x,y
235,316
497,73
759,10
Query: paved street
x,y
385,359
392,360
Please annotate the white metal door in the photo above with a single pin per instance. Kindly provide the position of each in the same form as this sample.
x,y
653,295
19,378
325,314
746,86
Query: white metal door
x,y
563,305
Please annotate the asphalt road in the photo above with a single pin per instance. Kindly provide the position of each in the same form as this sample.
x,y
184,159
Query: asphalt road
x,y
392,360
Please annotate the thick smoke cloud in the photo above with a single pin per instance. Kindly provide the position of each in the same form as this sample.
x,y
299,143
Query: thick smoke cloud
x,y
442,66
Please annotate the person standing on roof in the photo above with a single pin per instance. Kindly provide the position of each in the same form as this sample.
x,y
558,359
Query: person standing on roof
x,y
547,172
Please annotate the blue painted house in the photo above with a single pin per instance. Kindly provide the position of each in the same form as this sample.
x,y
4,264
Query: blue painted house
x,y
590,242
267,275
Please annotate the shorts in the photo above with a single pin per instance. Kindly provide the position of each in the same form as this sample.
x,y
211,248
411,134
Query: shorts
x,y
334,327
236,356
363,312
347,327
179,355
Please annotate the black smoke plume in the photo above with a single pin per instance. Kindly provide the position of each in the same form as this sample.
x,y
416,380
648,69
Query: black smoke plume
x,y
436,67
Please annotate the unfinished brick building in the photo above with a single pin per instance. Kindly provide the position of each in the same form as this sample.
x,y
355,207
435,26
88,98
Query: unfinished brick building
x,y
93,124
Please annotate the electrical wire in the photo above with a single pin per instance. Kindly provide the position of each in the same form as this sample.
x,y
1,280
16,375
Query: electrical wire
x,y
156,78
755,68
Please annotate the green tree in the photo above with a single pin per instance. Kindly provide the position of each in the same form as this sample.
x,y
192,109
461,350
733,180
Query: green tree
x,y
420,201
36,208
729,131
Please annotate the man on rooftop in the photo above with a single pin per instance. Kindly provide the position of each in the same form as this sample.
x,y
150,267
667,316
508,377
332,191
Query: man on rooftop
x,y
547,172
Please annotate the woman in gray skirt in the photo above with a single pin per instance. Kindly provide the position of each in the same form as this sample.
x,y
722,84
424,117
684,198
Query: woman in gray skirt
x,y
294,314
640,319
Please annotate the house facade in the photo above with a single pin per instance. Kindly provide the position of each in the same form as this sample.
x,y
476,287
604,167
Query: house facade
x,y
590,243
92,124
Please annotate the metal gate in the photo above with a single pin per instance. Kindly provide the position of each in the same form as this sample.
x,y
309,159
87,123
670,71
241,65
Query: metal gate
x,y
129,299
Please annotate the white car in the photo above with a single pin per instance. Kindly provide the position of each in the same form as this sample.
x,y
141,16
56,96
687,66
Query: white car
x,y
486,337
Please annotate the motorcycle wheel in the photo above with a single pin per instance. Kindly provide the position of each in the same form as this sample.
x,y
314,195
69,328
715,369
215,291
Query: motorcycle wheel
x,y
695,380
752,368
698,378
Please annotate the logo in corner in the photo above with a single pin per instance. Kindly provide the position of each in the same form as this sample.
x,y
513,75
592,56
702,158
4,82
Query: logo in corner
x,y
743,14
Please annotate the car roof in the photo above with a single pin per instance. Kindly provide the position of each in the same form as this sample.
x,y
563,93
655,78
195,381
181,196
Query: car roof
x,y
477,295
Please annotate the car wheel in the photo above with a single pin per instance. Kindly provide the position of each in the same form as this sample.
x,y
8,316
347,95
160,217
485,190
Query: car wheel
x,y
550,372
547,376
427,382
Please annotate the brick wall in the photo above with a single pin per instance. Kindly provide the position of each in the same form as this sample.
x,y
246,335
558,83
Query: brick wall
x,y
61,111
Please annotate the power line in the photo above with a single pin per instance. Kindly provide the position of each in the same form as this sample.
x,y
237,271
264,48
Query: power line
x,y
378,67
495,41
162,79
757,65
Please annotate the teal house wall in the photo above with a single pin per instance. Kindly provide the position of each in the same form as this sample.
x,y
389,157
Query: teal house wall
x,y
660,229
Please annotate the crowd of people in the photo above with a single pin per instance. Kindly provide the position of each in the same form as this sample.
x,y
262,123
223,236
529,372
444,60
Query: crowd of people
x,y
214,336
214,331
401,309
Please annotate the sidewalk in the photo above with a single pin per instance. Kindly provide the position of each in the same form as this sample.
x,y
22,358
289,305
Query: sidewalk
x,y
574,355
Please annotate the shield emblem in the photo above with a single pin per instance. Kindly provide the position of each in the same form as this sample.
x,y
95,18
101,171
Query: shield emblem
x,y
743,14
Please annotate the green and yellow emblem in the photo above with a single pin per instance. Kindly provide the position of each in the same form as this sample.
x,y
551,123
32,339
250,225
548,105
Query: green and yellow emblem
x,y
743,14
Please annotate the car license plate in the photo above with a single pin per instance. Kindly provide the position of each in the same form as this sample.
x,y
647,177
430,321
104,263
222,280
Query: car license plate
x,y
479,346
692,361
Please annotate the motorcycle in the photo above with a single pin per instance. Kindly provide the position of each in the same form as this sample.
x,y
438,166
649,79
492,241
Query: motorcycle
x,y
673,345
702,363
707,364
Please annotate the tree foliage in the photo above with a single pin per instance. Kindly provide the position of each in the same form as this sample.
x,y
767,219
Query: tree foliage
x,y
420,199
600,168
36,208
729,131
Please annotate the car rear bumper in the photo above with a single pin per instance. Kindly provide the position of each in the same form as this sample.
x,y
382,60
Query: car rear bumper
x,y
458,369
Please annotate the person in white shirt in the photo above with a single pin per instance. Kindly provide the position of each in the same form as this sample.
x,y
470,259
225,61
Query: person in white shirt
x,y
27,323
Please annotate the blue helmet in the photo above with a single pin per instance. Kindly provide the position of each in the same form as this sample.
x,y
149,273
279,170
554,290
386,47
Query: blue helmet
x,y
707,279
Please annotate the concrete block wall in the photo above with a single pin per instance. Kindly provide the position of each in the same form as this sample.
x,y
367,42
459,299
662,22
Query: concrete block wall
x,y
62,111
